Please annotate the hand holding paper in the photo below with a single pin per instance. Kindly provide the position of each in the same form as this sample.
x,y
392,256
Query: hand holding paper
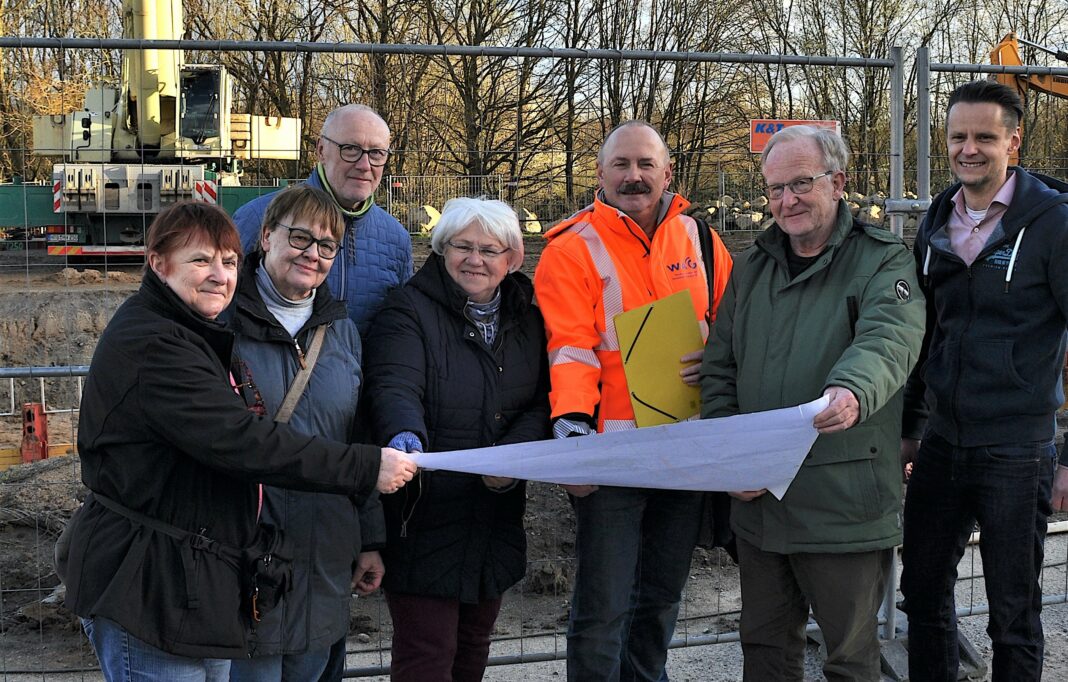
x,y
842,412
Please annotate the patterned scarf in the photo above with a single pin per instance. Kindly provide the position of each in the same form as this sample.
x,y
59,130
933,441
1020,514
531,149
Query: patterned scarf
x,y
485,316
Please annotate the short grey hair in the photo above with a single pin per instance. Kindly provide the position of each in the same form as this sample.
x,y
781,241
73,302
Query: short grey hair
x,y
332,117
834,149
635,123
493,217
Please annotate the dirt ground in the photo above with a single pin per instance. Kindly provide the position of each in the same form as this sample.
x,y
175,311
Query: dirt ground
x,y
52,316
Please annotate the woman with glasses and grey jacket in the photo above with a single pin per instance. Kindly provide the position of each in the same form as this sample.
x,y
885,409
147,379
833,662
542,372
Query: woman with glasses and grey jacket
x,y
282,301
456,360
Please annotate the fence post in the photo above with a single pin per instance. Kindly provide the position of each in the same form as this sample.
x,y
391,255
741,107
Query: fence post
x,y
897,138
923,123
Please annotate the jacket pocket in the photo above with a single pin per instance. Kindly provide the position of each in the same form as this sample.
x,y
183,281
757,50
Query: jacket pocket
x,y
858,443
217,619
832,499
988,368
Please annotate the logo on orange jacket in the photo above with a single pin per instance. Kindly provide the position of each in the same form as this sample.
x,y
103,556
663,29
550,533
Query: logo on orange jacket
x,y
683,269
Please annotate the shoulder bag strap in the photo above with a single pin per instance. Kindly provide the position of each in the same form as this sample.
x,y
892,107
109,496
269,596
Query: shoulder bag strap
x,y
708,253
301,380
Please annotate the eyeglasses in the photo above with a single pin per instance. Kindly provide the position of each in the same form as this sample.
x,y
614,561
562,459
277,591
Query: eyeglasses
x,y
466,250
300,239
798,186
354,152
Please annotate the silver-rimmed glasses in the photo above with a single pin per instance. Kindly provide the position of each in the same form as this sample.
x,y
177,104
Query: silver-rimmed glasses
x,y
798,186
467,249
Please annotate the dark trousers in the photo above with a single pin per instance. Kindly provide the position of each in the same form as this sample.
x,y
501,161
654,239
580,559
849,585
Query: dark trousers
x,y
844,592
1006,488
634,547
439,639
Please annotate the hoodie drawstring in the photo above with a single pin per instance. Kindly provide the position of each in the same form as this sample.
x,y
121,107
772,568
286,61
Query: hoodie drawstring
x,y
1012,258
1008,271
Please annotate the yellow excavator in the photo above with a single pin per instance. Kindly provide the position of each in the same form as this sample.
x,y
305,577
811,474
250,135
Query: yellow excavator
x,y
1007,53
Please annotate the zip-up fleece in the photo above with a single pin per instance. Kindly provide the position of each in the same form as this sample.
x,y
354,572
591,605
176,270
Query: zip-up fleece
x,y
994,349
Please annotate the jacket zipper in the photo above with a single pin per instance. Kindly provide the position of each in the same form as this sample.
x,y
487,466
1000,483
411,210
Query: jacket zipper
x,y
960,348
300,354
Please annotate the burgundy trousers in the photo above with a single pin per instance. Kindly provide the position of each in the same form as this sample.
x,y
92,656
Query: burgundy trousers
x,y
439,640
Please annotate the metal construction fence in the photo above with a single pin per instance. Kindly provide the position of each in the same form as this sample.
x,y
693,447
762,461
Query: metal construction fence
x,y
37,497
39,640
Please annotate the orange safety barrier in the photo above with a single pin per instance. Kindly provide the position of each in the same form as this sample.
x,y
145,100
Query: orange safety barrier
x,y
34,433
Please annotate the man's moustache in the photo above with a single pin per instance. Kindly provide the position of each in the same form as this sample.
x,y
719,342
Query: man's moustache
x,y
635,188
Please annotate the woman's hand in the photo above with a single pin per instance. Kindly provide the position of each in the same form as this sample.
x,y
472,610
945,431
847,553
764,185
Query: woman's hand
x,y
498,483
396,470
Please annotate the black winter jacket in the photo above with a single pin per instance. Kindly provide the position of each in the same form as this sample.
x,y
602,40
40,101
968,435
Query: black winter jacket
x,y
163,433
429,372
990,368
323,532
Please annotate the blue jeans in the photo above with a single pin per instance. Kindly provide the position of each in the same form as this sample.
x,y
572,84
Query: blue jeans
x,y
304,667
125,658
1006,488
634,547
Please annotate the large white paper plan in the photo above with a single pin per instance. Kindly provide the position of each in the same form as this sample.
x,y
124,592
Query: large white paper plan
x,y
743,452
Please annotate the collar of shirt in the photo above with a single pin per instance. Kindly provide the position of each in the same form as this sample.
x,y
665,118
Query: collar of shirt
x,y
1000,201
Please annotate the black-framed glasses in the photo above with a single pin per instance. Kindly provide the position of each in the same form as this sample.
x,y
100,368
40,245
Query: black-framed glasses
x,y
300,239
354,152
467,249
798,186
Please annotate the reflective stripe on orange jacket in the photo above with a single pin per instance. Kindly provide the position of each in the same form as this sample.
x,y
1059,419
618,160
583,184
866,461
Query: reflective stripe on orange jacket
x,y
597,264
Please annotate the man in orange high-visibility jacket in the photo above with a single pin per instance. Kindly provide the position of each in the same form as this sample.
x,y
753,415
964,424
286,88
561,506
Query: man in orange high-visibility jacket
x,y
631,247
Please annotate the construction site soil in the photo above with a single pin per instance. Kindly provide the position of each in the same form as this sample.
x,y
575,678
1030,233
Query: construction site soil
x,y
53,315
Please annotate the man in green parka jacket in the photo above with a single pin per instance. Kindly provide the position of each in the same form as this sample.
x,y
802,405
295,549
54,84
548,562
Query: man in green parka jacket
x,y
820,305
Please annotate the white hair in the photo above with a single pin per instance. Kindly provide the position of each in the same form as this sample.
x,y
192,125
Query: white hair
x,y
834,149
495,218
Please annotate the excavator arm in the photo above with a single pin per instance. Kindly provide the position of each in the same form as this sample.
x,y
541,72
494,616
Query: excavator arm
x,y
1007,53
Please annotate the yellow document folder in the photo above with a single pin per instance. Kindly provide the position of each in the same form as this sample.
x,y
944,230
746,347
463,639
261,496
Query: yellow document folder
x,y
652,338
